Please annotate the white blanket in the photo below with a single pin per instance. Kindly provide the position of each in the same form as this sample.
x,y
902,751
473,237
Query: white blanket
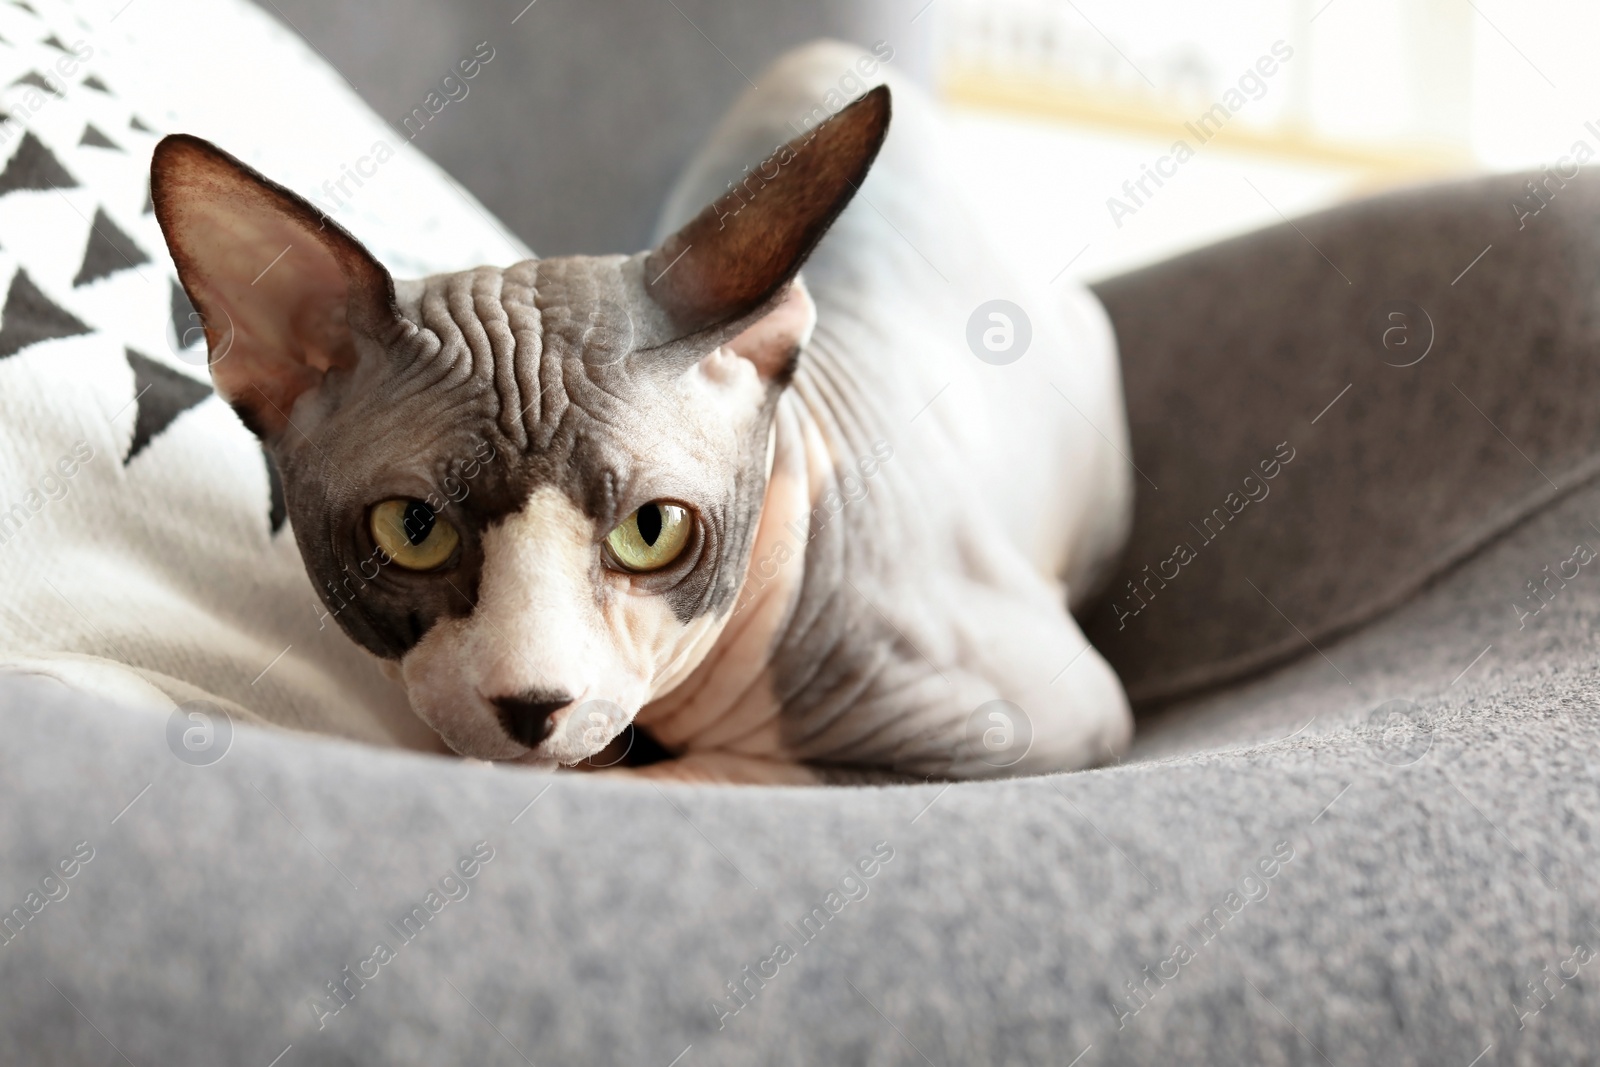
x,y
144,554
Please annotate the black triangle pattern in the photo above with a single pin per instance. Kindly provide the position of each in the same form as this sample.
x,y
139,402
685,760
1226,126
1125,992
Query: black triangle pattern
x,y
277,509
38,81
33,166
162,394
149,204
31,317
25,6
93,82
109,250
136,124
95,139
55,42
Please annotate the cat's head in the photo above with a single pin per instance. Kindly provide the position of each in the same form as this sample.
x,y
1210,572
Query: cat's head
x,y
537,487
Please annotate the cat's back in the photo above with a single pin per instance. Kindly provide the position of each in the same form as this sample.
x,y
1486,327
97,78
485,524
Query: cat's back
x,y
1024,411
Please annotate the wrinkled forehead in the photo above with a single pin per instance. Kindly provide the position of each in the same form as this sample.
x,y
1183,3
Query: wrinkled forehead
x,y
549,373
534,334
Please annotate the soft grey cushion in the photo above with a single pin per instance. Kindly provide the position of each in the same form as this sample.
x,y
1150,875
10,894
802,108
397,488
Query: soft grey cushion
x,y
1232,350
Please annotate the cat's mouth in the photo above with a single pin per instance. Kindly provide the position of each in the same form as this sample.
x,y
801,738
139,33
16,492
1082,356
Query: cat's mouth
x,y
533,728
542,726
576,730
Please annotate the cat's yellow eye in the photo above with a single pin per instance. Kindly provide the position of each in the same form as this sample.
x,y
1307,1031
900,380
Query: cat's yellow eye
x,y
651,537
413,534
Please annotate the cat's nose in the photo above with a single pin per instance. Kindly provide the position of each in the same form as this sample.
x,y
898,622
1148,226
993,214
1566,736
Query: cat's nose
x,y
527,717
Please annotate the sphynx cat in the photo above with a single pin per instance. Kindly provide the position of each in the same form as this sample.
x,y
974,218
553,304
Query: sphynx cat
x,y
789,530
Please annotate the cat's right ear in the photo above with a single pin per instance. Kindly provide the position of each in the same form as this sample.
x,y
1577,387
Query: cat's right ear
x,y
728,272
283,292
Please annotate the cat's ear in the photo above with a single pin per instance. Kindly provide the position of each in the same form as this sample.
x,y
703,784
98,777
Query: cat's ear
x,y
739,255
282,291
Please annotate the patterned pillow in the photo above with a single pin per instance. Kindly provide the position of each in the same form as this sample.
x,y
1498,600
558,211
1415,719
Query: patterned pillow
x,y
144,553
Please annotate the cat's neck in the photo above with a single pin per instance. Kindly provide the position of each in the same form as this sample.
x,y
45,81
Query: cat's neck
x,y
729,702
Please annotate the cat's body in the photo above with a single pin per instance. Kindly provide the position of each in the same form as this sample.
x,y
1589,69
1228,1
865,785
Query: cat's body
x,y
882,536
931,590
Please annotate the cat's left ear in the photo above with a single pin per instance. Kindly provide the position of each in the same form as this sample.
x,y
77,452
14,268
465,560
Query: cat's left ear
x,y
730,272
286,296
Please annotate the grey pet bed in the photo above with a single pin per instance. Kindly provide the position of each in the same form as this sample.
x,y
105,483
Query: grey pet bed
x,y
1377,852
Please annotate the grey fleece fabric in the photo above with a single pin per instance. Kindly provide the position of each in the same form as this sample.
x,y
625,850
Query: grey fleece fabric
x,y
1424,876
1239,349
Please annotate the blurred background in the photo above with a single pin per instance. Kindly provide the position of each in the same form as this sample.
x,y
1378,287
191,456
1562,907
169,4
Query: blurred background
x,y
1059,107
